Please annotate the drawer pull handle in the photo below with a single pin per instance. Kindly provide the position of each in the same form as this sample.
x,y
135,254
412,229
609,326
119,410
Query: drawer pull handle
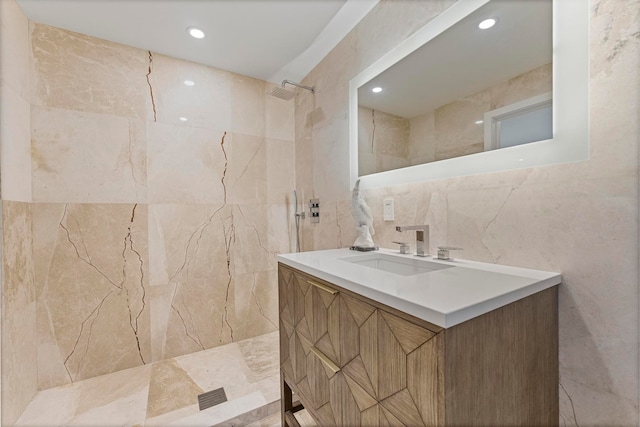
x,y
324,359
322,287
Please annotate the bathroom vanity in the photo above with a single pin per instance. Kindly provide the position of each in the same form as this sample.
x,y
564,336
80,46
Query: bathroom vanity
x,y
388,339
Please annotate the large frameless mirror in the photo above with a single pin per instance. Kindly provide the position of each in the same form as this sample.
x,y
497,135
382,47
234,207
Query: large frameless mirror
x,y
458,99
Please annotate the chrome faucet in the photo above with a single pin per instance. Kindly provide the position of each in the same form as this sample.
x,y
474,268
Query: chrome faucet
x,y
422,238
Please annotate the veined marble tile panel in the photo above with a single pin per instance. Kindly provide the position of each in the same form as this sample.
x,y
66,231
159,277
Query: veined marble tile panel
x,y
210,276
207,104
78,72
246,177
187,164
98,257
19,377
81,157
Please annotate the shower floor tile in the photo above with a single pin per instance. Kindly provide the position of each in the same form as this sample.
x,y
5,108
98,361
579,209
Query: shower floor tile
x,y
165,393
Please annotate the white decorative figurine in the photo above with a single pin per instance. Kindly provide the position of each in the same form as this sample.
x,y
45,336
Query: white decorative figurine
x,y
363,218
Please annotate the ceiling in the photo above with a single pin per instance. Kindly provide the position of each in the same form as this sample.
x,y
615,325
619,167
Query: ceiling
x,y
267,39
464,60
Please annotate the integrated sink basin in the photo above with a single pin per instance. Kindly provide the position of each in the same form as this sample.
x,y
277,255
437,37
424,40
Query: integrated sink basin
x,y
403,265
444,293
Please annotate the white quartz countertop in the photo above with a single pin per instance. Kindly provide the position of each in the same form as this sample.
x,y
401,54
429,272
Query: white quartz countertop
x,y
443,297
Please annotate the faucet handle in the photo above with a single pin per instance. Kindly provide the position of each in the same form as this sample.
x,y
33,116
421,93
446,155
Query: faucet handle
x,y
404,247
443,252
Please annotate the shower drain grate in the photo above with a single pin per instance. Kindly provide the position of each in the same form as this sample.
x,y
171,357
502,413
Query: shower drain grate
x,y
212,398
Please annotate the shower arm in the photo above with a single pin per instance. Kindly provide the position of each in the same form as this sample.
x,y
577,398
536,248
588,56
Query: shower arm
x,y
309,88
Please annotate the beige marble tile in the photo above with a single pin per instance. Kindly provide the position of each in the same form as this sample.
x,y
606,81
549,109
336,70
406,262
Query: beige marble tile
x,y
207,104
281,169
422,140
120,398
14,49
214,272
15,145
533,82
262,356
187,164
246,177
330,175
267,415
78,72
217,367
248,105
170,389
165,393
270,421
188,244
55,406
99,258
331,98
81,157
279,117
223,412
173,416
304,108
19,374
383,141
253,305
281,223
15,138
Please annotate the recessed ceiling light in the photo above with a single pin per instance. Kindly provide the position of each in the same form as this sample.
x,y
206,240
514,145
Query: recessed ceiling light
x,y
196,32
183,119
479,122
487,23
376,89
189,83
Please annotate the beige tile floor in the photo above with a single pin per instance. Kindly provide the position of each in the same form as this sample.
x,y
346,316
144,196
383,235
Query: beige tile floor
x,y
166,393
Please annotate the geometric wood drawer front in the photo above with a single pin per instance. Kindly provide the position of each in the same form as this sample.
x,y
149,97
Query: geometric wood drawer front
x,y
350,362
355,362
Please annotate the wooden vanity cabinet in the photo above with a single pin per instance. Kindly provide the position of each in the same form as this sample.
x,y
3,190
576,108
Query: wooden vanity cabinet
x,y
352,361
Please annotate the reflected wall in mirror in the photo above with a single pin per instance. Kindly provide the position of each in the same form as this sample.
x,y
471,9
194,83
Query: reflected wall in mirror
x,y
466,91
517,105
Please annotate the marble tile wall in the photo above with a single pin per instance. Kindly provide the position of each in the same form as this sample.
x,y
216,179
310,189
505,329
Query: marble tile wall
x,y
383,141
154,237
18,317
19,373
580,219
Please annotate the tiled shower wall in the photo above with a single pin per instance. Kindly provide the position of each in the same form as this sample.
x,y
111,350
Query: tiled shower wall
x,y
580,219
152,237
19,382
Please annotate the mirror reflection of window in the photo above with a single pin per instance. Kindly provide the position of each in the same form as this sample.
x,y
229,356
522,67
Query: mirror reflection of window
x,y
524,128
519,123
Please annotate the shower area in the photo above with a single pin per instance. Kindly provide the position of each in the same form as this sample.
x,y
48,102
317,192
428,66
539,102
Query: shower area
x,y
142,218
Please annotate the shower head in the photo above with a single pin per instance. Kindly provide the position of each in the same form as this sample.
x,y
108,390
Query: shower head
x,y
282,93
